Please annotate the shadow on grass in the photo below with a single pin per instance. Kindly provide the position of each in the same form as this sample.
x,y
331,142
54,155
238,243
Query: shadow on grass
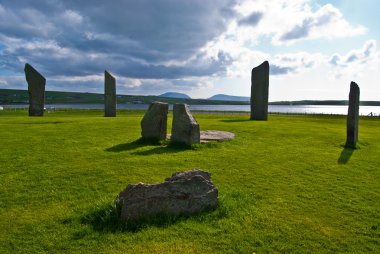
x,y
235,120
169,148
106,219
45,122
163,147
346,154
132,145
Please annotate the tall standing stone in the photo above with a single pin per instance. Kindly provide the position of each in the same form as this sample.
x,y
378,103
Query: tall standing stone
x,y
154,122
259,92
109,95
353,115
185,129
36,90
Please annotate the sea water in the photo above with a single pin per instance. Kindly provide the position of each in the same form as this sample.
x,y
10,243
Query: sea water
x,y
295,109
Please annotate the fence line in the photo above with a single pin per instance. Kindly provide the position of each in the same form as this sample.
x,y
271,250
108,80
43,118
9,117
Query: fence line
x,y
216,112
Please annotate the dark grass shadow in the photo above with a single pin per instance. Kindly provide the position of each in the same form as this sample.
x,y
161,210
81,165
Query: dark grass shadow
x,y
163,147
45,122
106,219
169,148
235,120
346,154
132,145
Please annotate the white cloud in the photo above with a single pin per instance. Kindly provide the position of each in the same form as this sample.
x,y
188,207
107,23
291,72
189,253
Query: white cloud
x,y
287,22
327,22
244,59
295,63
356,62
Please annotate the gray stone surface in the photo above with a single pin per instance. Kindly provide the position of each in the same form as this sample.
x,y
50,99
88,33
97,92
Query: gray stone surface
x,y
185,129
36,90
154,122
109,95
353,115
212,135
184,193
259,92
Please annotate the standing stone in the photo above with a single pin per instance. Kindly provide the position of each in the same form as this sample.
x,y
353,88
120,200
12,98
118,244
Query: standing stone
x,y
185,129
36,90
184,193
259,92
109,95
154,122
353,116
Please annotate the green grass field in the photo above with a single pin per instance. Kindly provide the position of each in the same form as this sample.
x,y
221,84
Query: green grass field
x,y
285,185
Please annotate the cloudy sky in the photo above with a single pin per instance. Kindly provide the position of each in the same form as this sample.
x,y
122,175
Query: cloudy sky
x,y
198,47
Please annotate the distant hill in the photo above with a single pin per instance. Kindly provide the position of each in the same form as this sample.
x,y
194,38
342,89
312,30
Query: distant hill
x,y
13,96
175,95
225,97
17,97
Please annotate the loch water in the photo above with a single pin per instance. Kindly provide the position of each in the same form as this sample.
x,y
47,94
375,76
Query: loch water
x,y
289,109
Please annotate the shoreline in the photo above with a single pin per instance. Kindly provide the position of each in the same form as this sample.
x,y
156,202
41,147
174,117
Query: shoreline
x,y
195,111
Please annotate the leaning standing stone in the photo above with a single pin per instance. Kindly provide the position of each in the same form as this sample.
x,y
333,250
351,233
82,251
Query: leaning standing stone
x,y
109,94
154,123
36,90
185,129
353,116
259,92
184,193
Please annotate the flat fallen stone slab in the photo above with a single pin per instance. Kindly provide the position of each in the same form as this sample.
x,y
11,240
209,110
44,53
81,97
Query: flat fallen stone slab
x,y
213,135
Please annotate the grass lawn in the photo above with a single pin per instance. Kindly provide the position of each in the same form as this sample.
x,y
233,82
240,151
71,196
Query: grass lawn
x,y
285,185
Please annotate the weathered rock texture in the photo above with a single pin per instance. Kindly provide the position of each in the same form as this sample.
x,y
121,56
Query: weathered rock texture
x,y
184,193
185,129
211,135
109,95
36,90
259,92
154,122
353,115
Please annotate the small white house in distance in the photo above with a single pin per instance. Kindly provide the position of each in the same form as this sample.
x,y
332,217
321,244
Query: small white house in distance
x,y
1,108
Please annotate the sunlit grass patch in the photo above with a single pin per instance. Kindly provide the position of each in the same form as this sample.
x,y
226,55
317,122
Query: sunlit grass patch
x,y
285,185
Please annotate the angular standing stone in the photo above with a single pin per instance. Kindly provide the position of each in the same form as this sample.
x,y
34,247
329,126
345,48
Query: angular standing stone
x,y
154,122
353,115
185,129
36,90
259,92
109,95
184,193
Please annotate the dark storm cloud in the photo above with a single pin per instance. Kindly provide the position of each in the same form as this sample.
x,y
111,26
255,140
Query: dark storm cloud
x,y
139,39
251,20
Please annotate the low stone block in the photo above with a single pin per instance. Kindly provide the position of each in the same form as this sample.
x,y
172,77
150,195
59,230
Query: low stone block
x,y
184,193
